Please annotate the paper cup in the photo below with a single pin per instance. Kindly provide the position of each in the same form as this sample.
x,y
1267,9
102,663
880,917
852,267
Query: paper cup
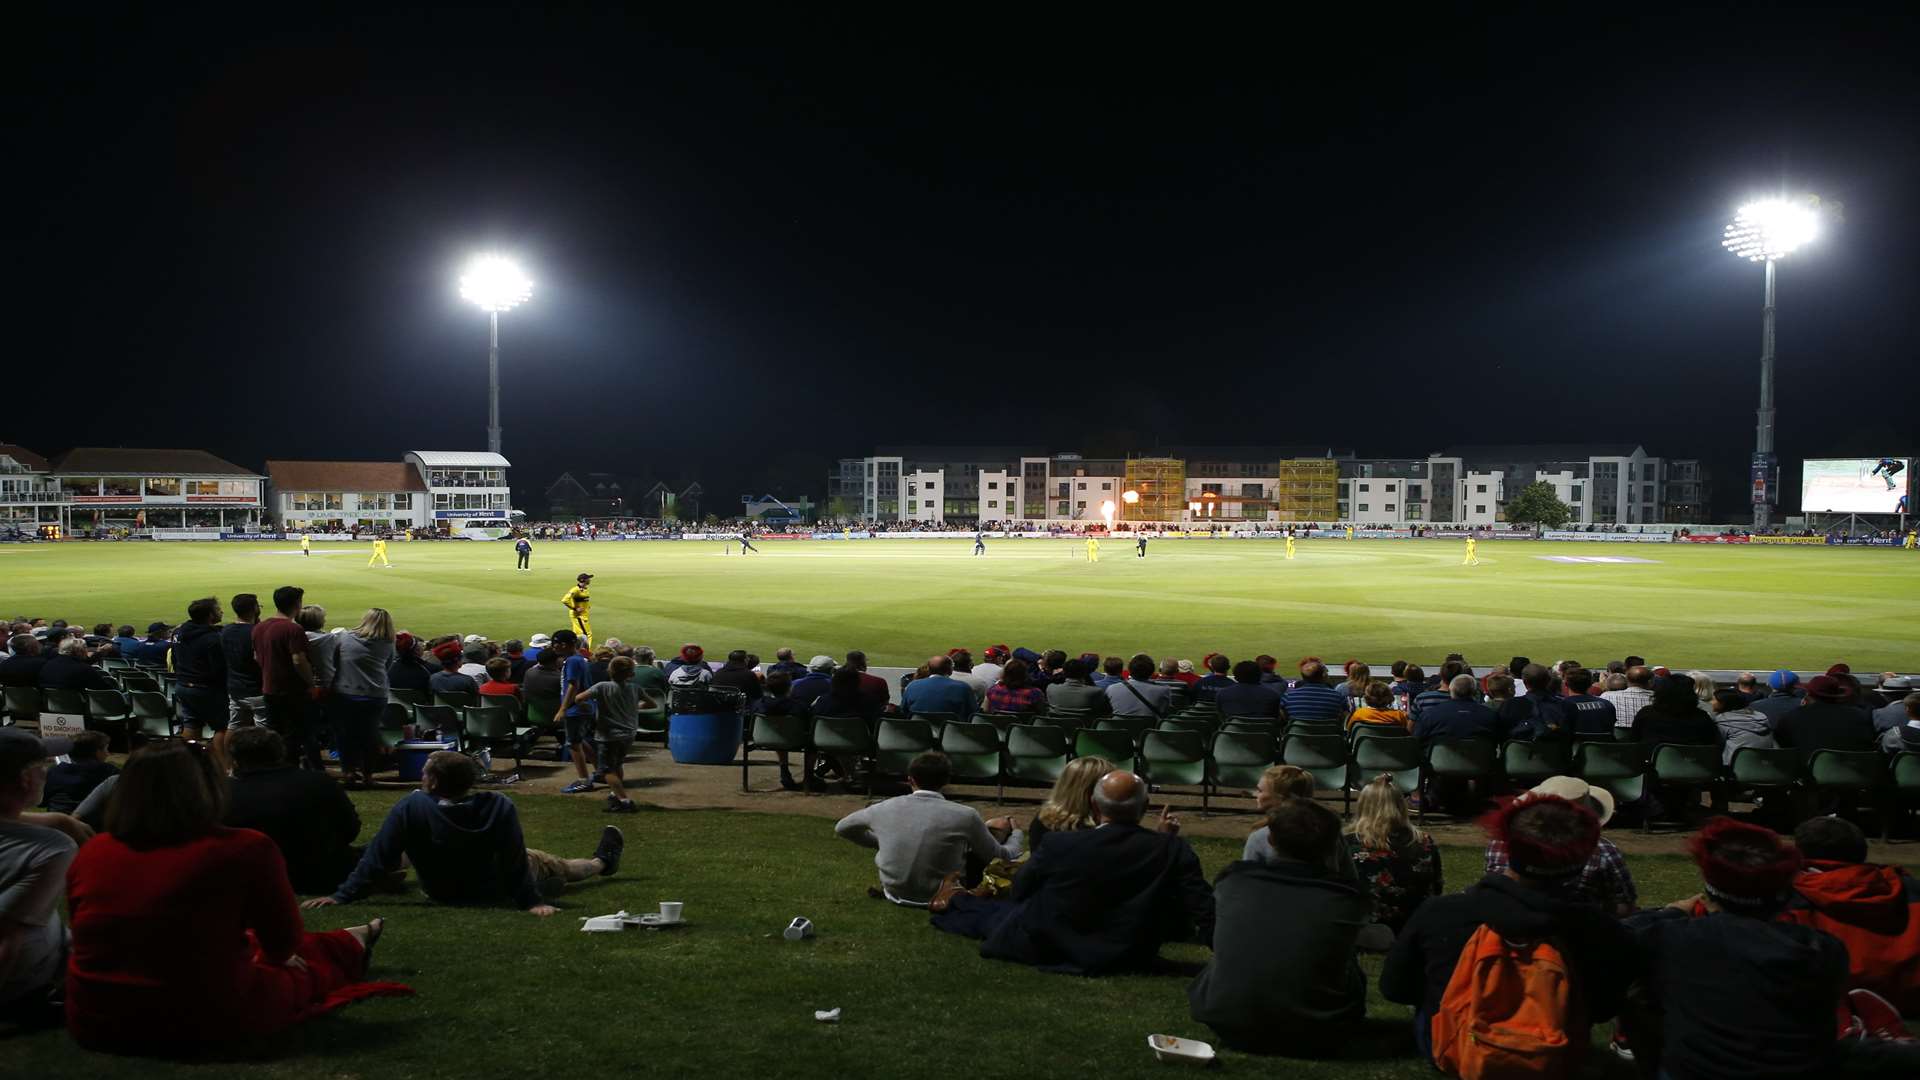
x,y
670,910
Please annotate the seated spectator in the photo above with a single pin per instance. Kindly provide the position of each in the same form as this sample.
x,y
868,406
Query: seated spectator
x,y
1248,697
648,680
1538,716
1892,712
1738,992
1013,693
1377,710
1075,691
1214,680
1275,786
1593,715
1605,881
305,813
515,652
1354,689
1439,690
125,643
1874,910
1398,864
1139,695
154,649
541,684
816,682
1269,673
1783,695
1182,672
785,664
963,673
1288,985
1112,670
450,679
69,783
70,668
1312,698
778,701
1749,686
1739,724
1827,720
689,668
474,655
408,672
1551,841
738,674
1674,716
500,682
465,846
920,838
24,663
1457,718
939,692
1069,806
33,878
1630,699
1103,900
1907,736
1410,684
872,687
1499,691
843,698
989,668
177,918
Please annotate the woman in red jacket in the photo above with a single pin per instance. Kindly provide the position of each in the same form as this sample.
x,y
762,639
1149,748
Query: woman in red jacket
x,y
176,919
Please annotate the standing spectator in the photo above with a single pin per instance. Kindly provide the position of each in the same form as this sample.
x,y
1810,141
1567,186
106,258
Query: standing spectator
x,y
1551,841
286,675
1248,697
939,692
1013,693
1739,724
363,660
33,876
306,815
1291,985
1076,692
1312,699
616,720
576,711
1827,720
1638,695
199,659
70,782
738,674
245,704
136,983
1398,864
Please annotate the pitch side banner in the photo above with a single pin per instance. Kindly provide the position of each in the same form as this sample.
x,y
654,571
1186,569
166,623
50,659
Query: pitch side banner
x,y
1786,539
1714,538
1611,537
1865,541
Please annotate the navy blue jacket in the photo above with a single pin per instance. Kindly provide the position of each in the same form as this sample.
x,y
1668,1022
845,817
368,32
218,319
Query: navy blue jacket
x,y
1454,720
469,851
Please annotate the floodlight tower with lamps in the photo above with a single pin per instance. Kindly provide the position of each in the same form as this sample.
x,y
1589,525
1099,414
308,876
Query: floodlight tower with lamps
x,y
494,284
1767,231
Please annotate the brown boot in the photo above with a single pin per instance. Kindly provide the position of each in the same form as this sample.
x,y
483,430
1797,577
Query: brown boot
x,y
949,885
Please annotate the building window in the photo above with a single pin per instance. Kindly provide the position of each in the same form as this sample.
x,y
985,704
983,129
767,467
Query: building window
x,y
121,485
1389,508
913,506
1106,485
993,504
1576,492
1479,489
993,485
1479,509
1363,508
1081,486
1413,491
1364,487
163,485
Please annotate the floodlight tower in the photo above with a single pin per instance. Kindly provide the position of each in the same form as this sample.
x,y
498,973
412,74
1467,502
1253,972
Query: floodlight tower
x,y
1767,231
494,284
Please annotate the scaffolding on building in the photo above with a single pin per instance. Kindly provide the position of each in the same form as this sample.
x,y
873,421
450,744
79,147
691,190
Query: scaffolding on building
x,y
1162,486
1308,490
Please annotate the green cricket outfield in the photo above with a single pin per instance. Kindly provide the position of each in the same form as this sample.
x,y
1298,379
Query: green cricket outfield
x,y
1683,605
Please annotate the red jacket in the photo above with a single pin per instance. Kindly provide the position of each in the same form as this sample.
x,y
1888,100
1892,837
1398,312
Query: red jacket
x,y
1875,912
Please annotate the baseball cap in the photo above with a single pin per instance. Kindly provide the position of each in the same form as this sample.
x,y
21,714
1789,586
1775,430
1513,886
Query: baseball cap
x,y
583,577
475,639
19,749
821,663
403,642
539,641
1782,679
1185,667
1574,790
156,628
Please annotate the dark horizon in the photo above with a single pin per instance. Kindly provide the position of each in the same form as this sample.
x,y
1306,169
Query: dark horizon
x,y
761,247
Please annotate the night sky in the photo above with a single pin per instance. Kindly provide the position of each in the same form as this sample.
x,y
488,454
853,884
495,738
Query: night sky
x,y
761,245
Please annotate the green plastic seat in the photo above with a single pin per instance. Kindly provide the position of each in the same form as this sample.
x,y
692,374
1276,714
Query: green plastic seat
x,y
132,681
23,704
152,713
1528,763
1176,757
1322,756
844,737
1761,767
899,741
1862,771
109,705
396,715
1905,772
781,733
1251,723
974,750
1679,763
456,699
1315,727
1620,767
71,702
1036,753
1069,718
1239,758
1396,756
1472,760
493,727
441,718
1114,744
1136,727
938,720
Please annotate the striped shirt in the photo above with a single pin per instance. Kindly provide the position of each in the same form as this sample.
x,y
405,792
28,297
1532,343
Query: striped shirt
x,y
1316,701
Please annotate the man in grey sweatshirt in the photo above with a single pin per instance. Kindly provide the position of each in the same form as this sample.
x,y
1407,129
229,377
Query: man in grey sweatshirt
x,y
921,837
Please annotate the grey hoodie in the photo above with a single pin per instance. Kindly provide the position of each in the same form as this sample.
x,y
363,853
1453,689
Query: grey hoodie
x,y
1744,727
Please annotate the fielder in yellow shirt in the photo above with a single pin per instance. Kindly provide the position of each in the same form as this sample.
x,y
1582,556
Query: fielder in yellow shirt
x,y
1913,540
379,552
1093,550
1473,557
1289,545
578,605
306,544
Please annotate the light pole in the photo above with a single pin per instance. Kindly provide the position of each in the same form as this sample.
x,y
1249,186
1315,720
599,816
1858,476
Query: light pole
x,y
495,284
1766,232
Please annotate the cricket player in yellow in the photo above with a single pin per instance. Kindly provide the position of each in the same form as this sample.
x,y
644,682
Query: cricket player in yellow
x,y
1913,540
379,552
1473,557
578,604
1349,532
1289,543
1093,550
306,544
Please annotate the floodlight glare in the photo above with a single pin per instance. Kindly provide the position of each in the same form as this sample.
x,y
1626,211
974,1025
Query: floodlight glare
x,y
1130,496
1771,229
494,283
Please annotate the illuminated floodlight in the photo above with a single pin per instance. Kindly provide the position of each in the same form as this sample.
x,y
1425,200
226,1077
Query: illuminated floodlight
x,y
1771,229
1130,496
1107,508
495,283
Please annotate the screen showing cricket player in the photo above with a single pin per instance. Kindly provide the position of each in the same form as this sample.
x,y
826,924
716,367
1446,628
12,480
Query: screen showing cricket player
x,y
1853,485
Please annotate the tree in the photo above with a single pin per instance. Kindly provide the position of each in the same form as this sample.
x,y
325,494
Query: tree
x,y
1538,505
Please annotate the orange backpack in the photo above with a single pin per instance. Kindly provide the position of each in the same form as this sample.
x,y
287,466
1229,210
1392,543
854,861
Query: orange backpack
x,y
1510,1010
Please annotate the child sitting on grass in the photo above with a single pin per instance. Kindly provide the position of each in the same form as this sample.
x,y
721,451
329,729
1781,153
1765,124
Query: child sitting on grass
x,y
616,719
